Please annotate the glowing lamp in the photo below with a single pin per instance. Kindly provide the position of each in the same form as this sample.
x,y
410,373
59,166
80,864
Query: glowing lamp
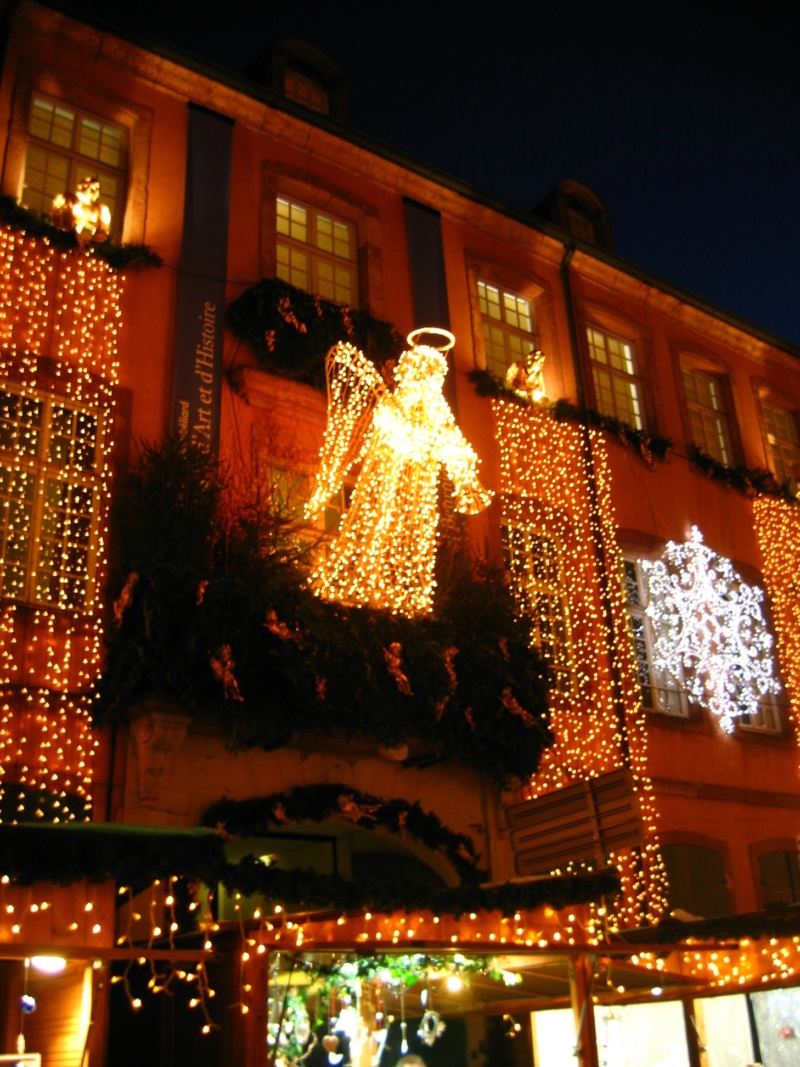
x,y
48,964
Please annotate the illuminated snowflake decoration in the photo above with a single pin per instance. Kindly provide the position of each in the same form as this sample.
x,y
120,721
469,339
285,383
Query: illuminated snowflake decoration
x,y
709,630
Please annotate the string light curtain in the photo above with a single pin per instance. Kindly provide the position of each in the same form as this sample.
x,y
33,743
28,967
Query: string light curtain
x,y
556,490
777,526
59,323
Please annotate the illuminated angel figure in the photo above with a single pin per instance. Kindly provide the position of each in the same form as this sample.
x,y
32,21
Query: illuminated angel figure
x,y
384,553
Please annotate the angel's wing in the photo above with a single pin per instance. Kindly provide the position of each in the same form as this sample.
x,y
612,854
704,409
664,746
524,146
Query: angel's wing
x,y
354,386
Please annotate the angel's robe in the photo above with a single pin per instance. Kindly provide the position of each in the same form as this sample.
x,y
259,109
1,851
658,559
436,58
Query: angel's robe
x,y
385,551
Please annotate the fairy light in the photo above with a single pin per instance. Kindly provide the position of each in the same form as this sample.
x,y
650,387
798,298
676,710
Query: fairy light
x,y
384,553
778,531
710,631
547,500
65,306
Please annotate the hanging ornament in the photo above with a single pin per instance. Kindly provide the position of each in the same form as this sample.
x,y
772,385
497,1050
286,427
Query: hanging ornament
x,y
28,1003
403,1025
431,1027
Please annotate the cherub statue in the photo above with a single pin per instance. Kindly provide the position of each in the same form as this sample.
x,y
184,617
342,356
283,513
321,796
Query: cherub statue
x,y
384,553
527,379
83,212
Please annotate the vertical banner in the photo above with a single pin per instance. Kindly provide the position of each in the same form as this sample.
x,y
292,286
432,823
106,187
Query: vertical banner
x,y
197,373
426,255
428,279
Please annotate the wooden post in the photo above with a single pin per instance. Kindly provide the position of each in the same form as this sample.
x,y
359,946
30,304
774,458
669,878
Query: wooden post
x,y
580,991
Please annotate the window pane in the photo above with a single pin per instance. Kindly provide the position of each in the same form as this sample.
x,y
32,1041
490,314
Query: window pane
x,y
696,880
783,446
507,327
52,123
46,175
324,243
99,142
780,877
617,389
659,691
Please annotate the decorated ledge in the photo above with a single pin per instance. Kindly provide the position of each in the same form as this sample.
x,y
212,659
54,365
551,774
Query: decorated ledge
x,y
318,803
750,481
290,331
216,615
776,921
650,447
121,257
99,852
96,852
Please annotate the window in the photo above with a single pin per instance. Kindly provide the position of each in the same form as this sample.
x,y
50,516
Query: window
x,y
306,91
508,325
768,718
659,691
49,457
616,386
779,872
64,146
707,417
697,882
535,557
782,441
316,252
581,225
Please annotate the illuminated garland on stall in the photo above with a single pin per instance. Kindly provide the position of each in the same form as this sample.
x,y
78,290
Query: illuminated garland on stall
x,y
777,526
548,487
50,656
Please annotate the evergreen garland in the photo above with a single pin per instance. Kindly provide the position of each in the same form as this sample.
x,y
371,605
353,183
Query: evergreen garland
x,y
215,615
650,447
136,856
746,480
777,920
121,257
290,331
318,803
96,852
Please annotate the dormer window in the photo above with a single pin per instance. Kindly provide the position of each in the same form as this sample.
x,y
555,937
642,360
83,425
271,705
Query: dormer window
x,y
306,91
581,226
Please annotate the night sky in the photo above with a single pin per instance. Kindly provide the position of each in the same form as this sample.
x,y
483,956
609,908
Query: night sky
x,y
683,117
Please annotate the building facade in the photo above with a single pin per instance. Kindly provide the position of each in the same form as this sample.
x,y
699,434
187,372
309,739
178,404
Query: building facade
x,y
642,519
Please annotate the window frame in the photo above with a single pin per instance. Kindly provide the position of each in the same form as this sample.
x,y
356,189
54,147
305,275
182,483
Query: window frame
x,y
768,401
768,723
771,847
78,163
634,378
700,843
101,103
530,588
658,683
722,449
43,471
527,340
294,82
315,254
